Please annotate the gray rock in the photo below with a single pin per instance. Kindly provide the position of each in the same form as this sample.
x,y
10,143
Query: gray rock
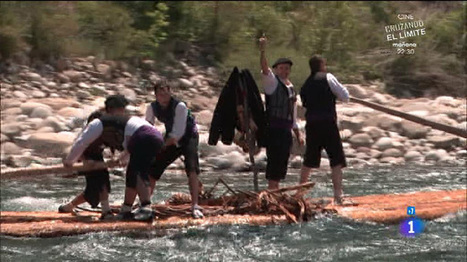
x,y
379,98
350,152
71,112
32,77
384,122
3,138
363,156
51,144
392,160
296,162
392,152
442,119
399,146
41,112
73,75
356,162
62,78
38,94
375,154
184,83
9,103
462,125
11,130
98,89
413,156
129,94
51,85
83,85
12,111
436,155
148,64
384,143
204,117
45,129
206,150
28,107
19,95
35,123
357,91
444,142
9,148
193,91
105,70
35,84
19,161
446,100
53,122
219,163
374,132
22,118
413,130
358,140
354,124
190,71
346,134
461,153
127,74
81,94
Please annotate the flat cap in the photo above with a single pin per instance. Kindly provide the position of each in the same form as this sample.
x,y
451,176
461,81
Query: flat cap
x,y
282,60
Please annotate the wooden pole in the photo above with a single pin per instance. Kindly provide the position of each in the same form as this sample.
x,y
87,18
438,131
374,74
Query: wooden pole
x,y
56,169
248,132
416,119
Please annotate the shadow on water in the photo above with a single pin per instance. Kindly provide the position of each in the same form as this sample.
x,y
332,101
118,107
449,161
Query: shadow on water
x,y
328,238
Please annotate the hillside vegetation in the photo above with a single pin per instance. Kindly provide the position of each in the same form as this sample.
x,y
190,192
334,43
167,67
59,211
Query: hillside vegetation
x,y
350,35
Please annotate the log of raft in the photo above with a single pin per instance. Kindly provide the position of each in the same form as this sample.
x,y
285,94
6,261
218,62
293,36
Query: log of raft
x,y
387,209
392,208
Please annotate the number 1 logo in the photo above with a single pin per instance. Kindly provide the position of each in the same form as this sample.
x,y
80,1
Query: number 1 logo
x,y
411,227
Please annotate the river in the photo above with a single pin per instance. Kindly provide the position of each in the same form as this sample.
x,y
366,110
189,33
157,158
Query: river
x,y
328,238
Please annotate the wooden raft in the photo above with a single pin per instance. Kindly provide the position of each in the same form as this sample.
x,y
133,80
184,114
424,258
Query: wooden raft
x,y
388,209
392,208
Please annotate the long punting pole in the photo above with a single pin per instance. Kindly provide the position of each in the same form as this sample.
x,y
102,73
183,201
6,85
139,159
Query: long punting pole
x,y
56,169
416,119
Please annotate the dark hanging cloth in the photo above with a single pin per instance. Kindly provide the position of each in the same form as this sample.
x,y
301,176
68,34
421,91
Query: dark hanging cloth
x,y
239,86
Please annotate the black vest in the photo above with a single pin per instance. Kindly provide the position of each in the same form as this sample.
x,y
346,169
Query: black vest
x,y
318,98
279,106
167,116
114,131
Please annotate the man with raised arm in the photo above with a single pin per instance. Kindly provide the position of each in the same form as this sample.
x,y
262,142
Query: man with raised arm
x,y
281,111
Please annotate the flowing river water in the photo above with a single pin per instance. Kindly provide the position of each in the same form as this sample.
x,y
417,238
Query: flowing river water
x,y
327,238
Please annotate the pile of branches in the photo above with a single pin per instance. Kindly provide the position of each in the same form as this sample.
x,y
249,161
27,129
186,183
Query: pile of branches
x,y
268,202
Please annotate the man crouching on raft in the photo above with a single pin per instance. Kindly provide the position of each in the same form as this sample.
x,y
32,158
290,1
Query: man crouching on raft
x,y
137,139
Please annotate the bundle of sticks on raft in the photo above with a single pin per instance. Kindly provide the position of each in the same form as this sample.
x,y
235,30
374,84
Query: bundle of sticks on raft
x,y
269,202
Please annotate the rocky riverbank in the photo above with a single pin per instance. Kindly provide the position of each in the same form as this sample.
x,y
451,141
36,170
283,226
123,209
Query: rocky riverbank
x,y
42,111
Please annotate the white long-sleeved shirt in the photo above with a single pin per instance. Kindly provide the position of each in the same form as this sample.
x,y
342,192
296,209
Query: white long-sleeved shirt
x,y
94,130
270,84
337,88
179,125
